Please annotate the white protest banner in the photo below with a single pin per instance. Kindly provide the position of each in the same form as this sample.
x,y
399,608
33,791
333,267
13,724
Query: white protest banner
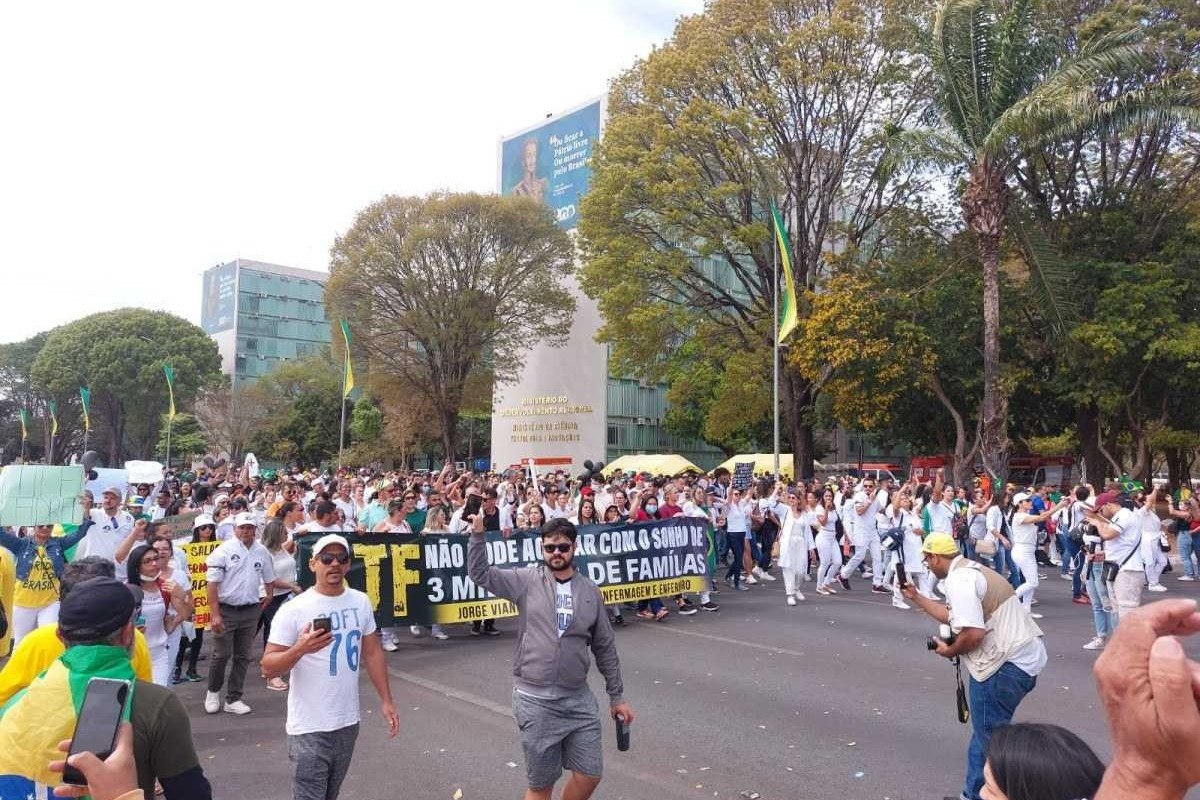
x,y
150,472
252,465
107,477
40,495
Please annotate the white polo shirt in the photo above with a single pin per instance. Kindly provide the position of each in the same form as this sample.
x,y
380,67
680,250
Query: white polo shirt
x,y
105,535
241,571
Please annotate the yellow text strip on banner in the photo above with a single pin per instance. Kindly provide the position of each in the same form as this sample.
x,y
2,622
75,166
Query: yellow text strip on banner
x,y
197,561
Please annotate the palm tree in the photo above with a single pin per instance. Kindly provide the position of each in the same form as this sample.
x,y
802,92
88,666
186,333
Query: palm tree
x,y
998,95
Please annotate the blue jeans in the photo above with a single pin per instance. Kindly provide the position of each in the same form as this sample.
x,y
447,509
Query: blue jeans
x,y
1014,572
737,546
1102,609
1186,551
993,703
1071,562
1000,560
722,545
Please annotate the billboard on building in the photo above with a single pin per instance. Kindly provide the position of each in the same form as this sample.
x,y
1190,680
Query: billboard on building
x,y
219,306
550,161
556,408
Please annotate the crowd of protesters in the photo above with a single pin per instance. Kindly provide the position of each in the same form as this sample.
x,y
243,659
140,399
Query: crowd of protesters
x,y
841,535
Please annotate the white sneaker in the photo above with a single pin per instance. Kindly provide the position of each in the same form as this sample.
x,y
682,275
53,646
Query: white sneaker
x,y
212,702
766,576
415,630
1035,615
237,707
868,574
750,580
791,601
1158,587
1065,577
389,643
800,596
1185,578
441,636
901,605
1097,643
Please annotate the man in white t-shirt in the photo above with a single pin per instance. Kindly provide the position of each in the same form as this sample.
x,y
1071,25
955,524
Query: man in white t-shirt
x,y
1121,530
864,535
323,712
110,525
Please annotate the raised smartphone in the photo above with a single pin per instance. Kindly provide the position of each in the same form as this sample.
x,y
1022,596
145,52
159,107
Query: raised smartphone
x,y
97,723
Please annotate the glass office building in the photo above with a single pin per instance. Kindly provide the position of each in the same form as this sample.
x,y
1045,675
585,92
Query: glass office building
x,y
260,314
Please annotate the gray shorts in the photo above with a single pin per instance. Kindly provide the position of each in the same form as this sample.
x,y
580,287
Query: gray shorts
x,y
557,734
322,760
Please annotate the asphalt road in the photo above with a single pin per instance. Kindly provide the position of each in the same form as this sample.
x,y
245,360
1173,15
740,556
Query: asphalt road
x,y
834,698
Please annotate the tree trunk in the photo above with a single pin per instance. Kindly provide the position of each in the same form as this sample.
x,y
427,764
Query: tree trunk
x,y
449,419
1176,468
797,396
962,455
1087,420
984,204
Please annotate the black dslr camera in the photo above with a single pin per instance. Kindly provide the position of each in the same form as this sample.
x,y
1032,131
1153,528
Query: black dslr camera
x,y
945,634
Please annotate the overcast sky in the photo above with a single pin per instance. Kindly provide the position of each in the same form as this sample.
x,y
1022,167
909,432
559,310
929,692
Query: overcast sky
x,y
143,142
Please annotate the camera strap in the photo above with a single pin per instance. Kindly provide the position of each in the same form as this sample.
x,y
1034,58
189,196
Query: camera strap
x,y
960,694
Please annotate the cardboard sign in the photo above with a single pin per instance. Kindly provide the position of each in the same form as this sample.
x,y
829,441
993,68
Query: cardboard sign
x,y
180,525
197,558
40,495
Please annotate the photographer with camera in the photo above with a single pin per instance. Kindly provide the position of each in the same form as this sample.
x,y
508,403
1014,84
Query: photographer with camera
x,y
985,625
1118,520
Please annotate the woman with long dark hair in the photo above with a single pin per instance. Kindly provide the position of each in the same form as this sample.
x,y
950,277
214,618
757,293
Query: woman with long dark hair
x,y
1029,761
164,607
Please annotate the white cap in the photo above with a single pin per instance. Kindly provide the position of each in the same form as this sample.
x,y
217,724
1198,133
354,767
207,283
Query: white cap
x,y
327,540
202,520
221,498
245,519
1021,497
115,492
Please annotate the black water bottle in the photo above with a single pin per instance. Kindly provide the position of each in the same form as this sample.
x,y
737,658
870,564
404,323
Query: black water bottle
x,y
622,733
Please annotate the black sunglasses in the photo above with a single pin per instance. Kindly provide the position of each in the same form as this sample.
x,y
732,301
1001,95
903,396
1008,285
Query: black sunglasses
x,y
329,558
560,548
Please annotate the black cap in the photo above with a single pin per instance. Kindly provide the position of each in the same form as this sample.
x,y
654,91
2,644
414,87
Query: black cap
x,y
96,607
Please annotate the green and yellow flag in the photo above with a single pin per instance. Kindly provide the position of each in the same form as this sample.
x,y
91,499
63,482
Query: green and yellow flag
x,y
787,303
24,424
169,371
348,369
85,402
53,418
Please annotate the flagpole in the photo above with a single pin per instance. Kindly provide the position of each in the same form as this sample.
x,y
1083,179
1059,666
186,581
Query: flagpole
x,y
775,359
342,424
169,424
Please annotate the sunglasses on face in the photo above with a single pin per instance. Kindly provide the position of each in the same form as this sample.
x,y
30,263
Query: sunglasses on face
x,y
329,558
557,548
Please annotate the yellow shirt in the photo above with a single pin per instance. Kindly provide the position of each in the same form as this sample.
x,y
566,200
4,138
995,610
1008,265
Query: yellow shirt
x,y
42,647
8,579
40,587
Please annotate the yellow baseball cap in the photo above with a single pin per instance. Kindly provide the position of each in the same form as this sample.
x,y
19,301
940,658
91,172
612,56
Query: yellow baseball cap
x,y
940,544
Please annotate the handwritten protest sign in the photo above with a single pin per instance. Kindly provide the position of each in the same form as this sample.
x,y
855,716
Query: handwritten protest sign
x,y
743,473
197,557
418,580
180,525
40,495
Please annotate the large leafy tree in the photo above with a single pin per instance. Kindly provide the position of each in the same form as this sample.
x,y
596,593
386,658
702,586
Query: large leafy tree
x,y
441,289
750,102
1004,89
120,355
301,402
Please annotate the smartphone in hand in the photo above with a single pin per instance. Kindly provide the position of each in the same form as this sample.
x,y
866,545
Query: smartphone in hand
x,y
97,724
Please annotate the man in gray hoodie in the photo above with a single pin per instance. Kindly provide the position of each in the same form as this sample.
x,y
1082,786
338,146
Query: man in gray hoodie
x,y
562,617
